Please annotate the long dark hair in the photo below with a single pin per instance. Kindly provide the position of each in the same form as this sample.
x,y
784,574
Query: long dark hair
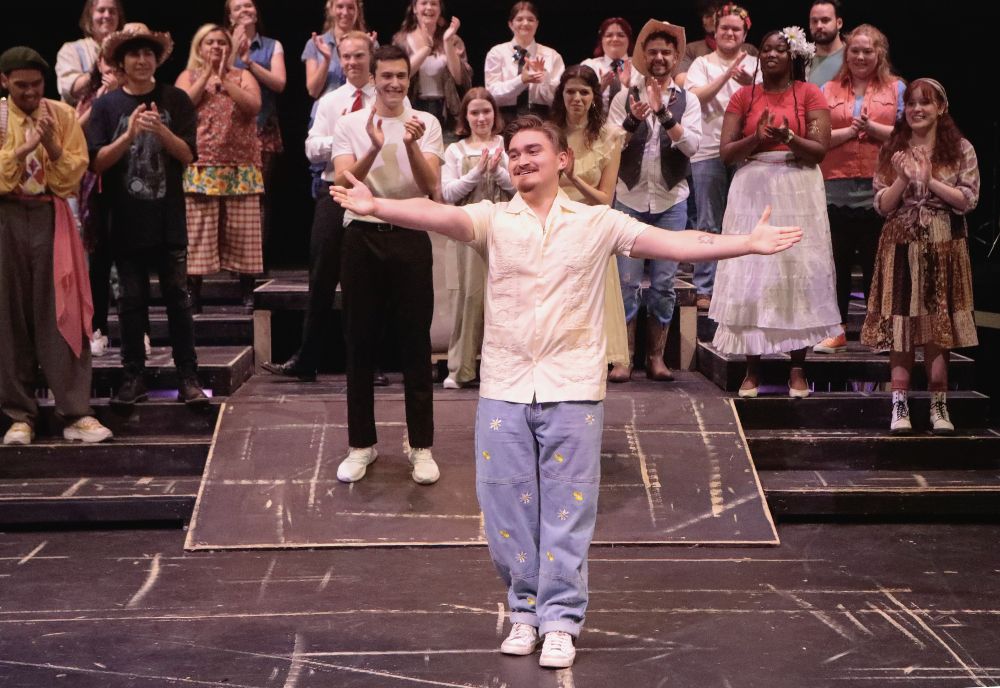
x,y
595,115
798,73
410,24
947,139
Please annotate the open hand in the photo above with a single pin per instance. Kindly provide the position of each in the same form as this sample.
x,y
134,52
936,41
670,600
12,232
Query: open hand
x,y
654,94
901,165
766,239
778,133
358,199
452,29
494,163
570,163
639,109
323,47
45,125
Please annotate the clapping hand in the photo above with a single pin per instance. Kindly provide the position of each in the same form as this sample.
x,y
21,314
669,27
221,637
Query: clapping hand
x,y
452,29
413,130
639,109
494,163
766,239
374,130
323,47
737,73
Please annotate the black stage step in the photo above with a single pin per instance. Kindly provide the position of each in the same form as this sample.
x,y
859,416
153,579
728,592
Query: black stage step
x,y
224,325
221,369
883,493
828,372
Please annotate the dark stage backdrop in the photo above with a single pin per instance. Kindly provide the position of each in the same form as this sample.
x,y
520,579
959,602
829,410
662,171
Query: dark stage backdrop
x,y
948,41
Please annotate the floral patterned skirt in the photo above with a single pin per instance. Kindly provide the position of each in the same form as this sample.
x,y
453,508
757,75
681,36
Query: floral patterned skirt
x,y
922,287
223,180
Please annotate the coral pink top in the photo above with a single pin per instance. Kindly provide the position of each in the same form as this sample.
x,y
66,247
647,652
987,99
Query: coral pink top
x,y
793,103
226,134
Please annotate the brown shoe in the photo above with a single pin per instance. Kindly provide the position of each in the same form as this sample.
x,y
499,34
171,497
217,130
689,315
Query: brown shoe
x,y
620,372
703,302
656,342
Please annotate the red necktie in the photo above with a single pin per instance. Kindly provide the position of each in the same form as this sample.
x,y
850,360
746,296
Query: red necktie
x,y
357,101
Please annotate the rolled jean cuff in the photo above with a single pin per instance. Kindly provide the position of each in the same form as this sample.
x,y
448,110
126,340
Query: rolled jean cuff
x,y
525,618
564,625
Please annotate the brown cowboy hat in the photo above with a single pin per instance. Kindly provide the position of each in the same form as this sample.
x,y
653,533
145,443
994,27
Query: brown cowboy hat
x,y
115,44
655,26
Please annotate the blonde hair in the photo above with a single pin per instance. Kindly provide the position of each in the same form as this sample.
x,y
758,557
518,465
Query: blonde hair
x,y
883,70
195,63
329,21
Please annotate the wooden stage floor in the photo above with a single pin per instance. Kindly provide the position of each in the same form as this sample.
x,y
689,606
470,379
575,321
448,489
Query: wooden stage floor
x,y
837,606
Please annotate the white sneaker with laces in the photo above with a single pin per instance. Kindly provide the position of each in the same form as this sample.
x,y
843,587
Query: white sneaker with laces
x,y
557,650
98,344
19,433
425,469
86,429
521,641
354,466
451,383
900,423
940,422
145,343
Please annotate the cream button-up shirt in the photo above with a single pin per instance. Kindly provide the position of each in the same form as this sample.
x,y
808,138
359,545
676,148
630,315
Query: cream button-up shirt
x,y
544,333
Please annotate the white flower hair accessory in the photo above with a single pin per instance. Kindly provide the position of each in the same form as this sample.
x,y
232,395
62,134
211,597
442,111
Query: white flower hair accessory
x,y
797,42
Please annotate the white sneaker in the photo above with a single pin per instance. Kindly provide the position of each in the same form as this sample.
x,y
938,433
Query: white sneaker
x,y
86,429
451,383
19,433
98,344
940,422
354,466
145,343
557,650
522,640
425,469
900,423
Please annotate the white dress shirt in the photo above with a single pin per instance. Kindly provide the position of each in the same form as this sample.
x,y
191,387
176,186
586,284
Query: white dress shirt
x,y
503,81
602,65
651,194
544,334
330,108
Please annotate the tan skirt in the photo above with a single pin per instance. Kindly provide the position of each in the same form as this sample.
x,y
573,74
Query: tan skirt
x,y
922,288
614,317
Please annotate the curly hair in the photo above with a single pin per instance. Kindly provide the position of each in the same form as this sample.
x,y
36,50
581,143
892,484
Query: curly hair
x,y
947,138
595,115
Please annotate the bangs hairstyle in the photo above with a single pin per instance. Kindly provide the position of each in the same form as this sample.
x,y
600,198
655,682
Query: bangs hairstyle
x,y
607,24
947,140
87,17
523,5
462,127
329,20
195,62
595,113
553,133
883,68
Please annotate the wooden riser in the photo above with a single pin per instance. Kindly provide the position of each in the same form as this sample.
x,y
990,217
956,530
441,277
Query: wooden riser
x,y
827,372
853,410
862,450
164,417
217,326
147,456
222,369
890,494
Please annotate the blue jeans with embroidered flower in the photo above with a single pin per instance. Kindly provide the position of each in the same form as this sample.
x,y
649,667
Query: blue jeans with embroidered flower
x,y
538,470
660,298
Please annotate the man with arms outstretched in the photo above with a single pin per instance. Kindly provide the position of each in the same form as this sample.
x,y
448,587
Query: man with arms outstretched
x,y
540,417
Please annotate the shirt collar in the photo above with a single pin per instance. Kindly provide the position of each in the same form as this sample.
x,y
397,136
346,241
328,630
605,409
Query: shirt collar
x,y
532,48
517,204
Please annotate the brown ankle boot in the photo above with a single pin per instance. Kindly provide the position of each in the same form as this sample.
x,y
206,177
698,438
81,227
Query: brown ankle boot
x,y
656,342
620,372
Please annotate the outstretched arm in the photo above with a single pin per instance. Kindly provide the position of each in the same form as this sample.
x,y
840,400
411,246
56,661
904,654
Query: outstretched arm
x,y
414,213
694,246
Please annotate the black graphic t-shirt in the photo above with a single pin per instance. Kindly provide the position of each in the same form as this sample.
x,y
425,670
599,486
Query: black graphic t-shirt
x,y
143,190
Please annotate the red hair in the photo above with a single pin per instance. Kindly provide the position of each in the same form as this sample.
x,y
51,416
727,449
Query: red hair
x,y
947,139
607,24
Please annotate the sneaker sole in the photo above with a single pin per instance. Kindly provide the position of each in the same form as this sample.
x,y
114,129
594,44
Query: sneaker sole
x,y
901,431
555,663
425,481
74,436
363,473
829,350
518,651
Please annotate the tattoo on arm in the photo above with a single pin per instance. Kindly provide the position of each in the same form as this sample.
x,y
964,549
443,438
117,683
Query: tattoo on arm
x,y
813,130
706,239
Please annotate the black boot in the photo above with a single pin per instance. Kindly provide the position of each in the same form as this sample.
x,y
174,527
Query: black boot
x,y
190,392
293,367
194,286
247,284
131,390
